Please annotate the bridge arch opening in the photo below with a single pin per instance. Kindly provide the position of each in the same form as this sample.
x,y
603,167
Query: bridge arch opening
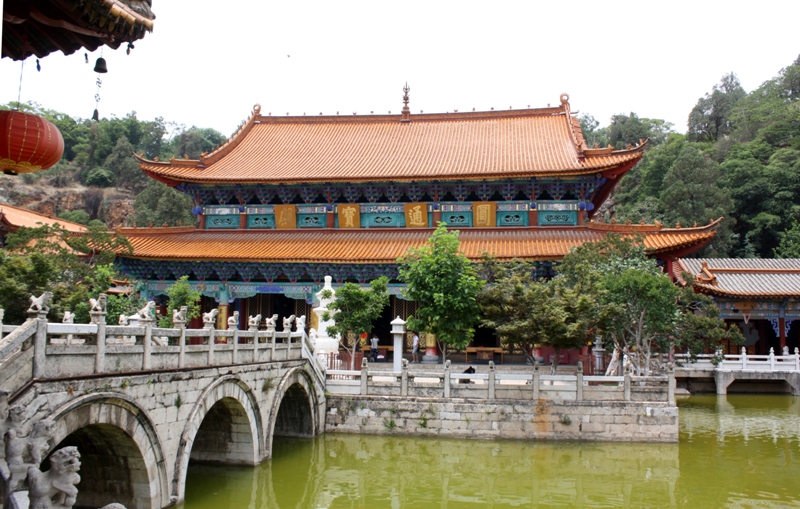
x,y
112,467
224,436
121,456
223,427
294,418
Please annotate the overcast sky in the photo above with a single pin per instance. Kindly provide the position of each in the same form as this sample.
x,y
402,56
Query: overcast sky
x,y
208,62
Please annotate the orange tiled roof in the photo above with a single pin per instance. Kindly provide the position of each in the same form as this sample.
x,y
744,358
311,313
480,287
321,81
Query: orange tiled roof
x,y
16,217
749,277
544,142
384,245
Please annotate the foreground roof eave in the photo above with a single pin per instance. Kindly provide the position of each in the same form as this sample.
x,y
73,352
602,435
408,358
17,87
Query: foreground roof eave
x,y
16,217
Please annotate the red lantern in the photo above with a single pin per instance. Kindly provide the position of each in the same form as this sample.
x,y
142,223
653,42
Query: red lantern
x,y
28,143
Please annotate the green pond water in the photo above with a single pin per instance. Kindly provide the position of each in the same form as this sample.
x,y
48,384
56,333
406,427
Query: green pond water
x,y
734,452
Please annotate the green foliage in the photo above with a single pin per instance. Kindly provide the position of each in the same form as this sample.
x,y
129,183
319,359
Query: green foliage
x,y
711,118
159,204
46,259
125,167
354,311
99,177
755,140
179,294
76,216
195,141
445,285
636,307
525,312
789,246
101,153
691,194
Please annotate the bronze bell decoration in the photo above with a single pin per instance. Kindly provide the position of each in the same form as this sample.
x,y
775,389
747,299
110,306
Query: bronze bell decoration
x,y
100,66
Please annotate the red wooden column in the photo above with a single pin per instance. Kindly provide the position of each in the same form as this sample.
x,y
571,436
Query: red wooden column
x,y
782,334
533,217
437,214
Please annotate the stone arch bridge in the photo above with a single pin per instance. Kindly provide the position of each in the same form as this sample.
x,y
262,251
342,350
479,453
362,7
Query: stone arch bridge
x,y
141,402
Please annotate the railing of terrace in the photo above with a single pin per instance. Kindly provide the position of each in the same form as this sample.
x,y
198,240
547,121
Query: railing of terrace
x,y
494,385
741,362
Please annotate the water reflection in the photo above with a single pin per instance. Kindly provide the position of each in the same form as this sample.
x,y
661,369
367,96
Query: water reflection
x,y
737,451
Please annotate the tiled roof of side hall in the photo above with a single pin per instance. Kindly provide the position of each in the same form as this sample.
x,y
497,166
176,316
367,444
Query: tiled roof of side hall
x,y
543,142
16,217
386,245
743,277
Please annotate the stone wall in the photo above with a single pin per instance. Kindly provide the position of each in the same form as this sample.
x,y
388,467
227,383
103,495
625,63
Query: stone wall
x,y
508,419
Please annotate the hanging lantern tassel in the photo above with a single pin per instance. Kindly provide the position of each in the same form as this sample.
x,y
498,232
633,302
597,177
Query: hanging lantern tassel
x,y
28,143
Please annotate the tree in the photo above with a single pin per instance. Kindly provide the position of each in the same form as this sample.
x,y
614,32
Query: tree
x,y
445,285
159,204
635,306
692,194
711,118
354,311
181,294
125,167
76,216
627,130
47,259
790,243
638,311
526,312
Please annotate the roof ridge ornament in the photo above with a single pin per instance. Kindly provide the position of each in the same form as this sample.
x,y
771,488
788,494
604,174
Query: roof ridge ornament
x,y
406,113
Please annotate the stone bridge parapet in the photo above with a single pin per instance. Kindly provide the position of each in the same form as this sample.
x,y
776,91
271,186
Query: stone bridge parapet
x,y
140,403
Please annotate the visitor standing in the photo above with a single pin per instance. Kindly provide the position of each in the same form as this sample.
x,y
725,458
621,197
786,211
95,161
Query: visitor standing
x,y
374,349
415,349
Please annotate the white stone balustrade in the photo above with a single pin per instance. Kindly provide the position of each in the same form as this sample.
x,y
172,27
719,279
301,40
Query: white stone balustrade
x,y
148,347
741,362
524,385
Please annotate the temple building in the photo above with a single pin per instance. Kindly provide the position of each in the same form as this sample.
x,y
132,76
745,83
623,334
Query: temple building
x,y
291,199
761,296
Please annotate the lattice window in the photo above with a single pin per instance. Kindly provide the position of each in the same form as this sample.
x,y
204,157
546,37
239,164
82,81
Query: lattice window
x,y
404,309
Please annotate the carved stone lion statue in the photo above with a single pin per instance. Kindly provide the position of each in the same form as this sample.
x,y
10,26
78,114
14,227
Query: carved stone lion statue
x,y
271,321
179,315
287,323
300,323
98,304
55,489
233,320
254,321
40,303
146,312
210,317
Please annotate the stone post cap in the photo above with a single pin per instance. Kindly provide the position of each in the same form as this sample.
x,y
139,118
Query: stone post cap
x,y
491,365
364,363
580,367
447,364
